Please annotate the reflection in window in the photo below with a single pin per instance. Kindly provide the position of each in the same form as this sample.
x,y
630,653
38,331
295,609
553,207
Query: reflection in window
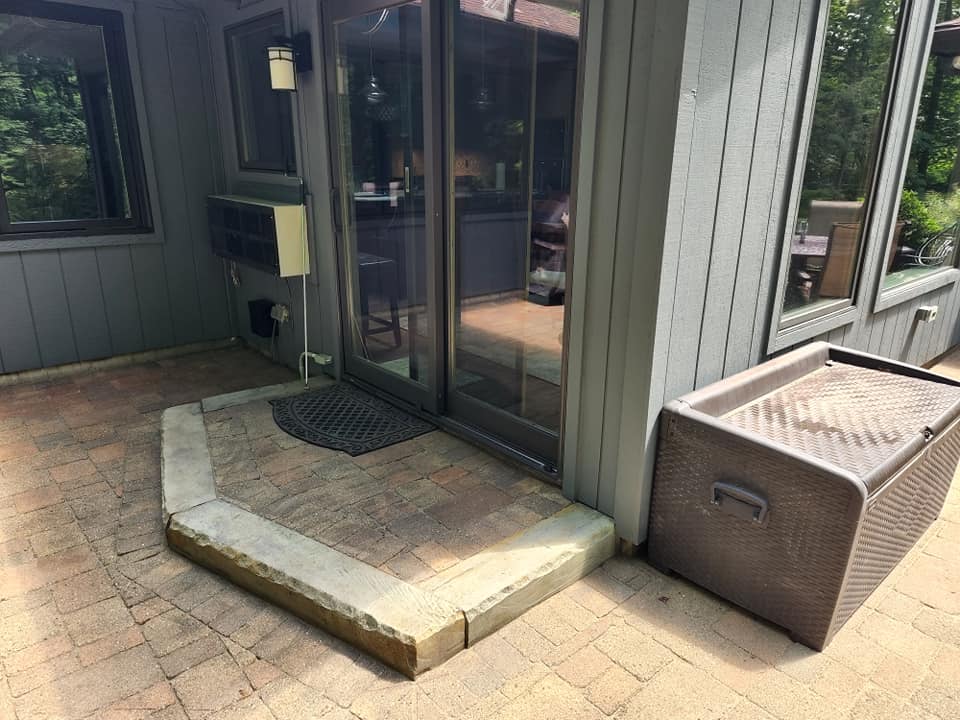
x,y
925,237
514,104
262,116
379,69
844,140
66,139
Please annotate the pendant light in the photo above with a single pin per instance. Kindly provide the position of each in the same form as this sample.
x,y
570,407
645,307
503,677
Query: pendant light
x,y
483,101
374,94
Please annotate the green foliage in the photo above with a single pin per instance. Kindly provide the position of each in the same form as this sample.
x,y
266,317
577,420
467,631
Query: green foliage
x,y
944,207
850,96
931,200
44,148
920,221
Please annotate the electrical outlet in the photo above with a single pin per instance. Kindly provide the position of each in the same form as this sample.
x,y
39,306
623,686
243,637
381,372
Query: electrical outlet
x,y
927,313
280,313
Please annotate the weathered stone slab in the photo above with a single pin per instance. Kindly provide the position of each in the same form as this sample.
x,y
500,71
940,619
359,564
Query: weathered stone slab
x,y
502,582
185,467
266,392
406,628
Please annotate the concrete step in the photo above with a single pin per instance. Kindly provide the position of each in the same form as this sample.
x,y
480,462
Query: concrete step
x,y
408,629
411,628
502,582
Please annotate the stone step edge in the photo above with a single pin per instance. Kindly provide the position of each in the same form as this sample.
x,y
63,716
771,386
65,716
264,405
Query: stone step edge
x,y
499,584
187,483
408,629
186,469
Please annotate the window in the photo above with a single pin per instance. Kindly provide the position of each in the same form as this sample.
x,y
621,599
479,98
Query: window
x,y
925,237
262,116
848,120
69,149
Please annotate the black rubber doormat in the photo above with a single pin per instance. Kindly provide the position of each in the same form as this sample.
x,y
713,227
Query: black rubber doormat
x,y
343,417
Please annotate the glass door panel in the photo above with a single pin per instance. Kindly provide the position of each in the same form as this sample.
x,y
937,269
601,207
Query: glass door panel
x,y
384,191
513,93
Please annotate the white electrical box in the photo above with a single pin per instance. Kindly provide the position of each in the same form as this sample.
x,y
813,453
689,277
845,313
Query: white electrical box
x,y
264,234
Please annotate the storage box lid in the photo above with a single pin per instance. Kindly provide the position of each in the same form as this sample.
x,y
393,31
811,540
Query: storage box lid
x,y
857,418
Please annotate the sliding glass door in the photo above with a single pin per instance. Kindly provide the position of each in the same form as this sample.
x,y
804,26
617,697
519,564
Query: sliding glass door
x,y
511,89
453,128
380,81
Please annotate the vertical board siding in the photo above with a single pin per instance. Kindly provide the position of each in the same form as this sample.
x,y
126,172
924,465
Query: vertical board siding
x,y
682,164
701,190
48,305
123,307
618,313
635,435
197,160
765,178
599,265
576,444
81,279
18,336
61,306
152,296
735,182
754,58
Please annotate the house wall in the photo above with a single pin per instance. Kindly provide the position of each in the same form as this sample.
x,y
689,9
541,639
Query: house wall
x,y
310,140
629,129
754,86
71,299
692,119
740,131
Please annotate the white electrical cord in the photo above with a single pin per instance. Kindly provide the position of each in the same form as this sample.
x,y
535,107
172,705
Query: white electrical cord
x,y
303,241
305,355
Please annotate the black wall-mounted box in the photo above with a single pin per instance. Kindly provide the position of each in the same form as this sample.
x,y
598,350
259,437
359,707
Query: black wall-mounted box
x,y
260,321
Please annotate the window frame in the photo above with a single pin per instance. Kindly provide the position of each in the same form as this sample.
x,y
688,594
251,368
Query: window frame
x,y
788,328
884,297
113,27
291,161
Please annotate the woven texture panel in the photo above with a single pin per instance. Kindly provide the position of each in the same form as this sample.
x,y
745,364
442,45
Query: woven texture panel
x,y
896,517
851,416
343,417
790,569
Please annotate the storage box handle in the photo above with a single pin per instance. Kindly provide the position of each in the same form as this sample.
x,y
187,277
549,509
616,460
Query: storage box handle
x,y
738,502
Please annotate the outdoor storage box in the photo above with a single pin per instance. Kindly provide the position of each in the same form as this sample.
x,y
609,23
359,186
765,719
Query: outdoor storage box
x,y
794,488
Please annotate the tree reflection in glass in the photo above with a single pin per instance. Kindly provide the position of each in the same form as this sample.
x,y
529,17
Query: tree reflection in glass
x,y
842,153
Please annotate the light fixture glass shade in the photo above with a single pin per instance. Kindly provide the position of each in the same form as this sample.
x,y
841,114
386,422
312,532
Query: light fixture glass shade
x,y
955,62
283,68
483,101
372,91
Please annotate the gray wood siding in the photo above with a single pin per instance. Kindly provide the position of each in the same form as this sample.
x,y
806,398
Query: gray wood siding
x,y
678,290
750,88
309,113
83,303
628,151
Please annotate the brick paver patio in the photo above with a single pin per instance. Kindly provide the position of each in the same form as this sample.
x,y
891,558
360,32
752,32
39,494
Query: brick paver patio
x,y
412,509
98,619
